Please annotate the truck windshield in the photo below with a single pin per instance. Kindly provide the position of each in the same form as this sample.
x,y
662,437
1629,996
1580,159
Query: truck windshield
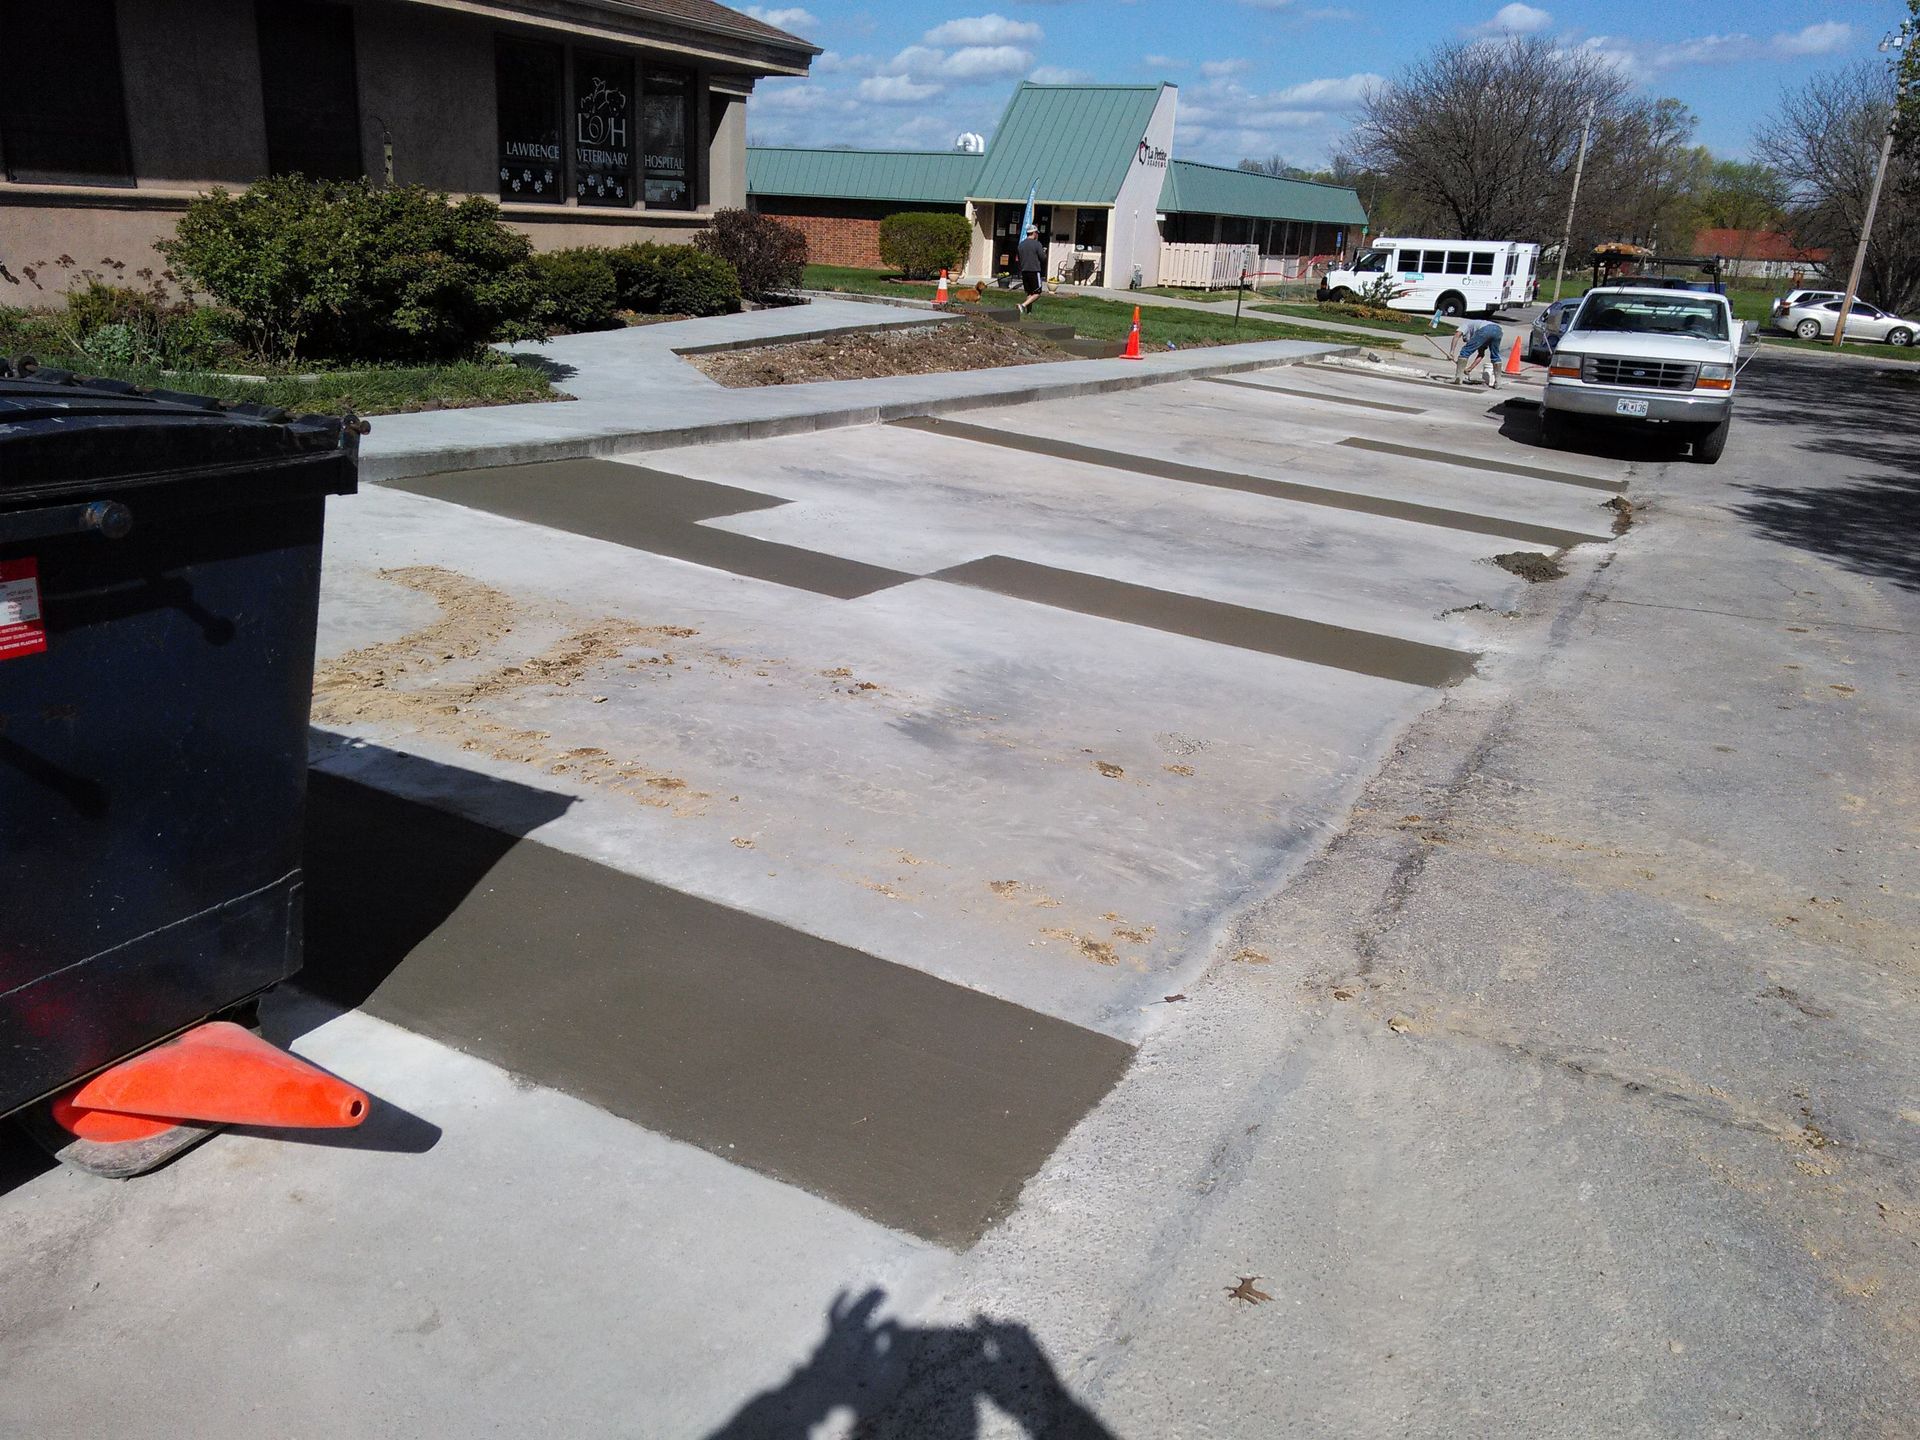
x,y
1372,260
1675,314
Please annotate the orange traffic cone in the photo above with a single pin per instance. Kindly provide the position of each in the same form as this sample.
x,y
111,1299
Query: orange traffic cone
x,y
1513,359
940,295
1132,352
218,1073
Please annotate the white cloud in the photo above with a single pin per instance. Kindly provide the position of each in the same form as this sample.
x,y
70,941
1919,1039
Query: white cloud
x,y
1220,119
1055,75
832,62
1700,50
1341,94
1822,39
1516,19
984,30
791,20
987,62
1162,62
1217,69
895,90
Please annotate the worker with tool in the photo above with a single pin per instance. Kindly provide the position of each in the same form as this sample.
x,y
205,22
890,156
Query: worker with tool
x,y
1474,341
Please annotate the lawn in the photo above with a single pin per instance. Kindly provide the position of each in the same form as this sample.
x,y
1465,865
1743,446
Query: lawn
x,y
1401,324
382,390
1909,353
1099,319
865,282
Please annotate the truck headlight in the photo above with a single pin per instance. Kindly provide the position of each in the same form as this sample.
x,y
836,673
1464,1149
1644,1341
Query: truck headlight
x,y
1566,364
1715,377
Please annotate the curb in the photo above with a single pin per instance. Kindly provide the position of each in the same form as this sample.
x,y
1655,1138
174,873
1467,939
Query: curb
x,y
378,469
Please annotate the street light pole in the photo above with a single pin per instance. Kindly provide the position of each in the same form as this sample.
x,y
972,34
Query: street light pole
x,y
1896,42
1579,168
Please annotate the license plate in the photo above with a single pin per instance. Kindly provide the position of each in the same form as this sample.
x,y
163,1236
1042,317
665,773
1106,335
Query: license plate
x,y
1630,407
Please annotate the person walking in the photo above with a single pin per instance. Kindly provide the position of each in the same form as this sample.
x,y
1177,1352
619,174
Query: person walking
x,y
1033,265
1474,341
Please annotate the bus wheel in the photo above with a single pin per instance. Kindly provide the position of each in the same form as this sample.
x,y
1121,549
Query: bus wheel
x,y
1452,304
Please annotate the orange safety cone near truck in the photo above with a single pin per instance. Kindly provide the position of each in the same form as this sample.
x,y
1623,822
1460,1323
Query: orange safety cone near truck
x,y
1513,359
940,295
1132,352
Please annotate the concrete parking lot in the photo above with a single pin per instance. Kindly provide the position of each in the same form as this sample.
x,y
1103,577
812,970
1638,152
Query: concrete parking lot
x,y
738,871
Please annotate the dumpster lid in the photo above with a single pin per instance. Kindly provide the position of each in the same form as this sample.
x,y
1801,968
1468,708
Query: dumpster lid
x,y
61,434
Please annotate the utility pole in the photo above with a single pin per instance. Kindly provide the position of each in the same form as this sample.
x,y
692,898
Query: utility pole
x,y
1896,42
1579,168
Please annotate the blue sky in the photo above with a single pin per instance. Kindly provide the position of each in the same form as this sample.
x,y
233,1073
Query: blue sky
x,y
1264,77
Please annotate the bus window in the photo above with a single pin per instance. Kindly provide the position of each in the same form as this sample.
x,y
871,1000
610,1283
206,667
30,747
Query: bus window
x,y
1483,262
1370,260
1457,262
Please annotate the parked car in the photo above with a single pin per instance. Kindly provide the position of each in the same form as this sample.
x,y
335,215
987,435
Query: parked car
x,y
1635,355
1816,321
1777,317
1547,328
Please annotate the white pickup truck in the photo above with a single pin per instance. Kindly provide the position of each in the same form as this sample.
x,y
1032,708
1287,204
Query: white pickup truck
x,y
1648,358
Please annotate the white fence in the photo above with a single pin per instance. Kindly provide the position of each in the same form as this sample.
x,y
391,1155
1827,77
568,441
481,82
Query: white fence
x,y
1207,267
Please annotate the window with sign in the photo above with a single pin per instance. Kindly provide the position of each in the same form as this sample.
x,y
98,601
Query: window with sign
x,y
528,80
602,129
665,96
62,117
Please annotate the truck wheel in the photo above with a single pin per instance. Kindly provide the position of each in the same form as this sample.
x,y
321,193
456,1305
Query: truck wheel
x,y
1808,329
1341,295
1900,337
1708,448
1553,430
1452,304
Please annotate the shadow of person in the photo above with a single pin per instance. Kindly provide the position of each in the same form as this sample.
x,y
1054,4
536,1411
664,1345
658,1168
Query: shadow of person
x,y
920,1381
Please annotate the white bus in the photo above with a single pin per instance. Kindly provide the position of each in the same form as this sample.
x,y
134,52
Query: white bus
x,y
1453,277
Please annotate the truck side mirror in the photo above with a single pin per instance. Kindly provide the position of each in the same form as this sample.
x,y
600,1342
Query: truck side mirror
x,y
1740,329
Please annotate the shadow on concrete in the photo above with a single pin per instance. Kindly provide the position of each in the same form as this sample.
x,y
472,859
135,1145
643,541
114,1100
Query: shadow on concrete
x,y
384,873
554,370
922,1382
1520,423
1870,521
21,1159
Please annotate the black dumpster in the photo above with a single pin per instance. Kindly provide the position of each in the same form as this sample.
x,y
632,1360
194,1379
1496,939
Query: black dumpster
x,y
159,577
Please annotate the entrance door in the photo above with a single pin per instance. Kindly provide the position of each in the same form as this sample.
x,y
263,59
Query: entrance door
x,y
1006,234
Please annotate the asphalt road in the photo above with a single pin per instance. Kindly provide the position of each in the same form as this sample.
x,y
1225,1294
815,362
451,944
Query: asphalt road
x,y
849,927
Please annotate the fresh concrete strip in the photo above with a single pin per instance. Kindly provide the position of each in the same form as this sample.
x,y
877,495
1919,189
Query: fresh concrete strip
x,y
1260,485
1325,397
1339,647
919,1104
1475,462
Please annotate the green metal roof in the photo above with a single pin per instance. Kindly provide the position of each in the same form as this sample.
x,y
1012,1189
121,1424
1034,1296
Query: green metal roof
x,y
927,176
1076,141
1198,189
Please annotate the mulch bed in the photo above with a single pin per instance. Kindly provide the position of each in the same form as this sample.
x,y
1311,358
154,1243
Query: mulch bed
x,y
868,355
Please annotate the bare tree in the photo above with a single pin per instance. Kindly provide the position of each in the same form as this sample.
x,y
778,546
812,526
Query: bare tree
x,y
1479,139
1825,143
1272,165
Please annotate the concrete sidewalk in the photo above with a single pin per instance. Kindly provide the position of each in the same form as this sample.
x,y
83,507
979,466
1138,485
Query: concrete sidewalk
x,y
635,391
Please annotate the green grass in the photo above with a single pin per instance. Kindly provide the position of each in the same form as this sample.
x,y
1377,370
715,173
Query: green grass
x,y
1099,319
865,282
1205,297
381,390
1400,324
1909,353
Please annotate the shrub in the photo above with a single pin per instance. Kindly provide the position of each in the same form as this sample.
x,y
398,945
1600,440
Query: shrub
x,y
674,280
919,244
345,270
765,254
577,290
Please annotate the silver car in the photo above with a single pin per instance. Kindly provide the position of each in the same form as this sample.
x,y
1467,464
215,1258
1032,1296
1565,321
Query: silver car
x,y
1548,326
1777,317
1816,321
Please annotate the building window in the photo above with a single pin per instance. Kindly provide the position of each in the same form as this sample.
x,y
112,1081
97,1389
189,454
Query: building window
x,y
602,129
63,119
665,127
527,81
307,81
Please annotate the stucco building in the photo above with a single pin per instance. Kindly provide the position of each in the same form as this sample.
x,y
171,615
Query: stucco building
x,y
1107,190
591,121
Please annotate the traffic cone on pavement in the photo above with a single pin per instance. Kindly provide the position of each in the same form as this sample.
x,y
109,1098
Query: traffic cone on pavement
x,y
940,295
1513,359
218,1073
1132,352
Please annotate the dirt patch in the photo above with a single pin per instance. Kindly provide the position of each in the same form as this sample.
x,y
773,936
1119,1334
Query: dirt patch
x,y
1529,565
1622,513
397,682
920,350
1098,951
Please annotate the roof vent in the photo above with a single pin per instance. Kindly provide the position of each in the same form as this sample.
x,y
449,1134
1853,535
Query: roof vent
x,y
968,143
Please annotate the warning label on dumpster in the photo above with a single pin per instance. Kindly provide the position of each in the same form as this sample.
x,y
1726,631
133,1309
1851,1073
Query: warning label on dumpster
x,y
21,630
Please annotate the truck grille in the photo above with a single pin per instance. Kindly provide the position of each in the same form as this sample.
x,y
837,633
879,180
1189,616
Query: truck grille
x,y
1639,374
